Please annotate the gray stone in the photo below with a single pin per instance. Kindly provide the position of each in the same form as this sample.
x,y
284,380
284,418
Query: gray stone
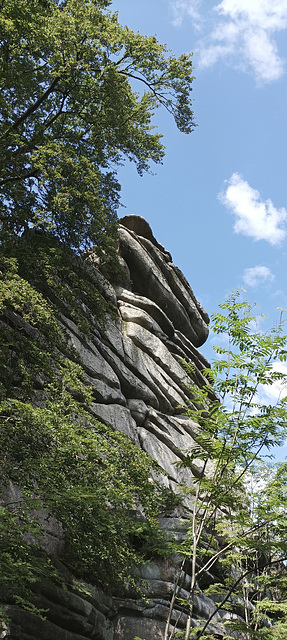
x,y
65,622
117,417
169,395
180,423
93,362
103,392
177,433
141,302
174,524
138,409
51,539
165,453
149,280
132,384
141,227
164,285
113,333
107,290
127,628
155,348
130,313
204,606
149,571
139,387
193,354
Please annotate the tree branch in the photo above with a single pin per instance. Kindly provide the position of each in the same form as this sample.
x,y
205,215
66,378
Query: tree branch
x,y
32,174
58,113
231,590
35,106
149,85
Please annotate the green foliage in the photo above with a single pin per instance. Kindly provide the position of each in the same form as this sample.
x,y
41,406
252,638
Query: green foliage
x,y
25,353
23,563
68,281
86,476
57,461
246,531
69,114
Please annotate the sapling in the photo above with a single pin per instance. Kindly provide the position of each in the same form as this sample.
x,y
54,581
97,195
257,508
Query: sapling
x,y
236,431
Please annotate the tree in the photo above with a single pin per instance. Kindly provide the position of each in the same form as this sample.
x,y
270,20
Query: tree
x,y
70,114
235,433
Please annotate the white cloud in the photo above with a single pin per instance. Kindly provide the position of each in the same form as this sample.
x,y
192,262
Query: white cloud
x,y
240,31
253,218
181,8
256,275
261,53
266,14
270,394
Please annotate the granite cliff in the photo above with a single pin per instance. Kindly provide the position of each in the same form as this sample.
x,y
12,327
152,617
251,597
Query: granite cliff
x,y
140,387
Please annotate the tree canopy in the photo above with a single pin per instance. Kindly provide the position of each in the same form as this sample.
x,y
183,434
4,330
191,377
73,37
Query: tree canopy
x,y
77,96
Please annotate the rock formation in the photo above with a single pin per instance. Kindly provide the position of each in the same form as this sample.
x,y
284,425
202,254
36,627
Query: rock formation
x,y
140,387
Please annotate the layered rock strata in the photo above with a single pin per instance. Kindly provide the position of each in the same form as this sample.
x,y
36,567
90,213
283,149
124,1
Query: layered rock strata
x,y
135,365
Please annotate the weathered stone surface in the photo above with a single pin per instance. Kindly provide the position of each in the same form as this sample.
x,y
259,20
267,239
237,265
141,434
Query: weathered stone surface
x,y
101,283
103,392
178,285
141,302
166,453
184,423
191,351
141,227
178,442
168,394
117,417
127,628
130,313
93,362
52,539
151,344
113,334
132,384
69,617
139,384
139,410
159,281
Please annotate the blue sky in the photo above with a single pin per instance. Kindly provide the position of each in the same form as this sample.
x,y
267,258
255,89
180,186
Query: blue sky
x,y
219,202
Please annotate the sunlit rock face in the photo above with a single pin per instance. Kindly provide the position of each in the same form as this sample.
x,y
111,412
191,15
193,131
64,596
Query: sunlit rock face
x,y
156,278
160,324
135,365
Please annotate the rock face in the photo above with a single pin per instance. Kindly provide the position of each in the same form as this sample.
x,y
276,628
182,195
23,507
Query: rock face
x,y
140,387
